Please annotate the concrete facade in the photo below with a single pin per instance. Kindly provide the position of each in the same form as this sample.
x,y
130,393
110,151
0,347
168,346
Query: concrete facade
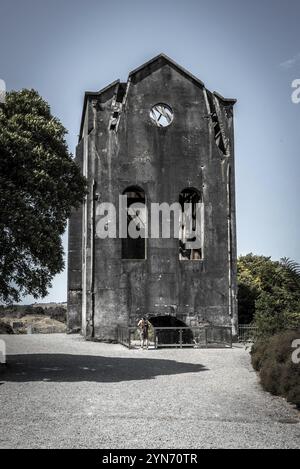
x,y
120,147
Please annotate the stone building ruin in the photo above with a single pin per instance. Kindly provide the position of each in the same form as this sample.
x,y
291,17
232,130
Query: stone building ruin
x,y
162,137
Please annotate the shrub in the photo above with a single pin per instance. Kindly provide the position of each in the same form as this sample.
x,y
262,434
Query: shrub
x,y
59,313
258,353
272,358
5,328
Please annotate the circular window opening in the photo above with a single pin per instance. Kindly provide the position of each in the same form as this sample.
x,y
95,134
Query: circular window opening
x,y
162,115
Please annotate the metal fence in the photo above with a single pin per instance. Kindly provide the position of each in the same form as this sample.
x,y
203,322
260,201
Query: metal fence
x,y
125,335
247,333
178,337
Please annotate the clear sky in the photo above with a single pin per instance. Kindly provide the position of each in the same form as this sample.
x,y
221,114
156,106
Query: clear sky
x,y
249,50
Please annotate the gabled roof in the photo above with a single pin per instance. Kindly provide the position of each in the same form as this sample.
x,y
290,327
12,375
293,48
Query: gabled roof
x,y
94,94
144,70
161,60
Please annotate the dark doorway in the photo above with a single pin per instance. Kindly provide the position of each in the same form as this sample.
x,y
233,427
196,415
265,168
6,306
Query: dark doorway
x,y
171,336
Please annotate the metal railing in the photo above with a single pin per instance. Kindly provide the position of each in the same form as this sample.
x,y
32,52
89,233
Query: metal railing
x,y
247,333
178,337
125,335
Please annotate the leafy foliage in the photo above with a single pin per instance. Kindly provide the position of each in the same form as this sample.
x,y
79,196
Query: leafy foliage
x,y
39,186
269,293
272,358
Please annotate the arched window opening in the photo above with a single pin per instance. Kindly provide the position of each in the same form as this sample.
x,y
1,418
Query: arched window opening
x,y
191,234
134,245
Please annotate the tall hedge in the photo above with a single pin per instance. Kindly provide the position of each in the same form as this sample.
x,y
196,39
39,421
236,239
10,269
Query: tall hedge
x,y
272,358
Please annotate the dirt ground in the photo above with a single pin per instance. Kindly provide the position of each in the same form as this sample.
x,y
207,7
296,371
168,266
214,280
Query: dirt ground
x,y
59,391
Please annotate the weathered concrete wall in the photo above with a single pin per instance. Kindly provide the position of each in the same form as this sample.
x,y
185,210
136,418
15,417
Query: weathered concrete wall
x,y
75,261
163,162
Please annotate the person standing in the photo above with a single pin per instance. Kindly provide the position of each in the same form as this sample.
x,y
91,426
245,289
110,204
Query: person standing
x,y
143,326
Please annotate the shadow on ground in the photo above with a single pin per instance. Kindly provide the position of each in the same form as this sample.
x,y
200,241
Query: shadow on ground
x,y
71,368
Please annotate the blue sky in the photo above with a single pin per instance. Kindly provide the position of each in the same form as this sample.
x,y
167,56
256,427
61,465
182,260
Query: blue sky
x,y
245,50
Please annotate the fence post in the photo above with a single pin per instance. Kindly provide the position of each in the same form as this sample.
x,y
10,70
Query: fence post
x,y
180,337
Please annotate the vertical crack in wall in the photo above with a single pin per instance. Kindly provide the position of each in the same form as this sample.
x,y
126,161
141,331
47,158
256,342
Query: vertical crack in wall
x,y
221,140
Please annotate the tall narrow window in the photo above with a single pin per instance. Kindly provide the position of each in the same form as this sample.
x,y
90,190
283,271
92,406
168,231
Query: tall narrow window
x,y
134,246
191,225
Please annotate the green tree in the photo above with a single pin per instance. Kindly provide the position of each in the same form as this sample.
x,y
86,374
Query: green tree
x,y
269,293
39,186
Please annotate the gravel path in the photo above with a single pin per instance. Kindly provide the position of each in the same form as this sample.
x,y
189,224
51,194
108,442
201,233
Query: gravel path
x,y
59,391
